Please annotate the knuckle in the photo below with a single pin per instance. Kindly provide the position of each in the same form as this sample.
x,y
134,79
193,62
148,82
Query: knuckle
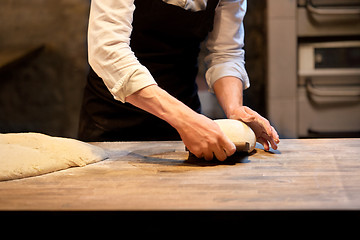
x,y
213,142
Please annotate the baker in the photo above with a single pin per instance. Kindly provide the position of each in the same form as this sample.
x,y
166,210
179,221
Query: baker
x,y
141,85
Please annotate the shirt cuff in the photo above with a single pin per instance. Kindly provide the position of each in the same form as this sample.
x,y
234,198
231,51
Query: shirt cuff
x,y
138,80
226,69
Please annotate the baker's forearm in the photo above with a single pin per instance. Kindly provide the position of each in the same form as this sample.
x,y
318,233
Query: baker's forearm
x,y
158,102
229,92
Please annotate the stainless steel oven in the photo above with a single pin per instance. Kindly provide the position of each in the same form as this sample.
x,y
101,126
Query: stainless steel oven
x,y
313,67
328,18
329,89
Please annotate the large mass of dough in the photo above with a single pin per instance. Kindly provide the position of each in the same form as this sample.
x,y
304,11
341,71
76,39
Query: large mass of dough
x,y
31,154
239,133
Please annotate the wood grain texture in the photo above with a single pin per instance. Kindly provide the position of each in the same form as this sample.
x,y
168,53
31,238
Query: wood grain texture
x,y
307,174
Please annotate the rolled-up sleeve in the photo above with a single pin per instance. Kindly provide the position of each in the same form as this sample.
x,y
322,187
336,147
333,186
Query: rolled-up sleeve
x,y
109,52
225,43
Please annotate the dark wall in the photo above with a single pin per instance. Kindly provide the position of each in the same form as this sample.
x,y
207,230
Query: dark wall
x,y
255,55
43,92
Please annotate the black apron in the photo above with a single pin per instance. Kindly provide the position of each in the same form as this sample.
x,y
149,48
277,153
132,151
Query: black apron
x,y
165,39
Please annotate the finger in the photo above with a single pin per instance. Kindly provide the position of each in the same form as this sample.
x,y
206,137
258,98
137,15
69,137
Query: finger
x,y
220,154
208,156
198,154
273,144
264,142
229,148
270,134
196,151
273,138
270,139
223,148
275,135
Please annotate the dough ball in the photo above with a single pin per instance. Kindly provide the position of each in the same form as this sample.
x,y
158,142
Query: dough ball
x,y
239,133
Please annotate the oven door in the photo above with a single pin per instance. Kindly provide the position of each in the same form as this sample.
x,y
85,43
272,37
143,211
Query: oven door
x,y
328,18
329,89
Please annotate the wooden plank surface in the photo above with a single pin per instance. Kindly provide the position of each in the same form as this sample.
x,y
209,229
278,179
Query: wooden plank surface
x,y
306,174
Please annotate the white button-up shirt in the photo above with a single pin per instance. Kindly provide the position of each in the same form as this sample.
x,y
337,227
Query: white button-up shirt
x,y
110,55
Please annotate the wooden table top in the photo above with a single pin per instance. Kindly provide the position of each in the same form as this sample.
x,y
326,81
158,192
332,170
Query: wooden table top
x,y
303,174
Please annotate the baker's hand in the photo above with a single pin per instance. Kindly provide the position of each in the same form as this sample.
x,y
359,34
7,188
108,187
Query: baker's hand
x,y
204,138
264,132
